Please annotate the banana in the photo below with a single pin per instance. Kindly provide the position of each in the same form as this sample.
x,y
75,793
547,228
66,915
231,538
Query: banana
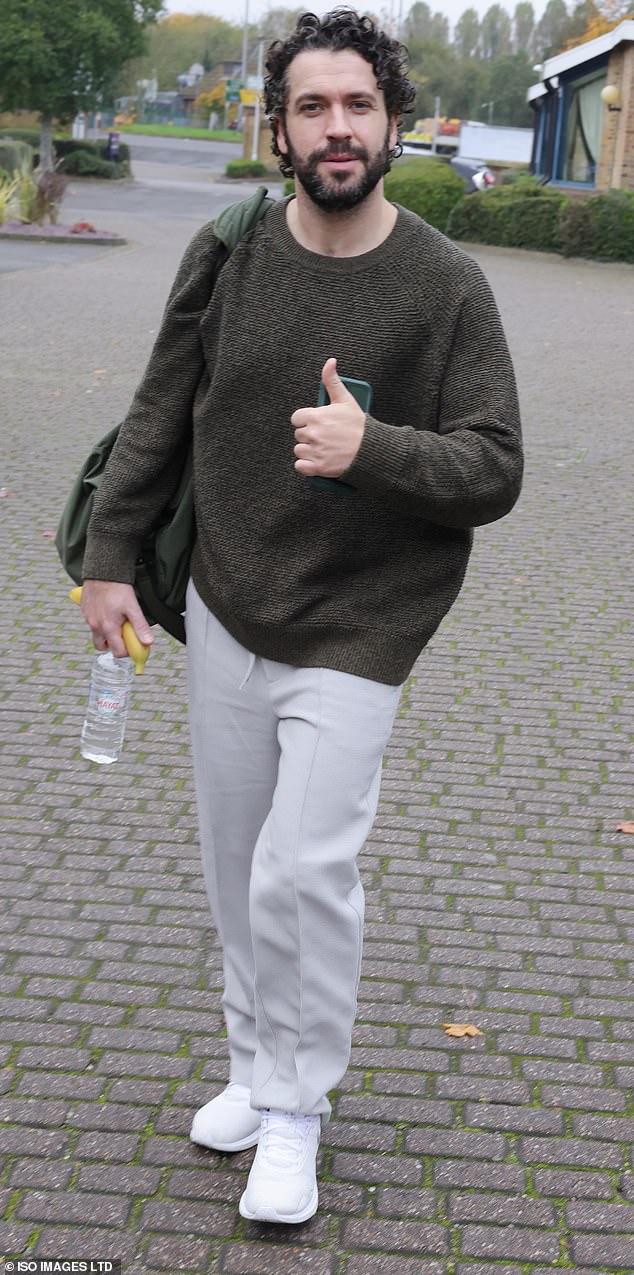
x,y
136,649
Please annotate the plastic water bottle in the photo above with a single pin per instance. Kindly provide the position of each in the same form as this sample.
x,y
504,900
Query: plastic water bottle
x,y
104,726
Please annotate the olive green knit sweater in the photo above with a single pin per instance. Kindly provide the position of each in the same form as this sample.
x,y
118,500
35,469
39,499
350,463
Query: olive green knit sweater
x,y
360,582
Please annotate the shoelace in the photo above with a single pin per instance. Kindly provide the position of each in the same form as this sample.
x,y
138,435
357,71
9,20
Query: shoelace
x,y
283,1138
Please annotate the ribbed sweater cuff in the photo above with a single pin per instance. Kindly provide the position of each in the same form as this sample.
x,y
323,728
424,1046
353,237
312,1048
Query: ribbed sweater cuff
x,y
381,459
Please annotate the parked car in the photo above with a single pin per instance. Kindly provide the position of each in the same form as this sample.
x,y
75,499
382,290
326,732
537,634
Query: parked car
x,y
474,173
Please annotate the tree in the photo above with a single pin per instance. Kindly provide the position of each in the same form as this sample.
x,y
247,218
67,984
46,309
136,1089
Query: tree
x,y
418,22
467,34
495,32
510,78
175,43
551,31
523,27
60,58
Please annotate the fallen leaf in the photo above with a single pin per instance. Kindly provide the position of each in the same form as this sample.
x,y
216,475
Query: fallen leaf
x,y
48,535
461,1029
626,826
99,371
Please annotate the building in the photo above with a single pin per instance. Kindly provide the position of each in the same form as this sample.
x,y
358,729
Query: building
x,y
584,114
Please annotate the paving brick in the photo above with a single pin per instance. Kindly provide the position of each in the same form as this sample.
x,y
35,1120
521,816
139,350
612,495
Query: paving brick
x,y
366,1264
77,1206
499,1242
503,1210
394,1236
479,1146
127,1179
409,1202
262,1259
567,1183
69,1241
461,1173
383,1168
578,1151
165,1253
206,1219
106,1146
586,1215
603,1250
513,1119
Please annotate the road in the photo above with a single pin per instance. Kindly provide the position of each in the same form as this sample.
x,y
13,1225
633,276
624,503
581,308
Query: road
x,y
499,891
172,178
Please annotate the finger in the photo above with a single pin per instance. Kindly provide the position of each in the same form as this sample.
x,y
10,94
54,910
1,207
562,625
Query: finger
x,y
139,624
335,388
302,417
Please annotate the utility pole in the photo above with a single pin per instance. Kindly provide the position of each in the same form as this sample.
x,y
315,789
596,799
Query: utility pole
x,y
245,55
255,150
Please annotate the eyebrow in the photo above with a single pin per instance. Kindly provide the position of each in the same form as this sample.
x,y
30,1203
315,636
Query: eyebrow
x,y
322,97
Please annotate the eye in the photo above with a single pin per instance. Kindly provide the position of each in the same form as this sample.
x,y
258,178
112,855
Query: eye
x,y
361,106
310,108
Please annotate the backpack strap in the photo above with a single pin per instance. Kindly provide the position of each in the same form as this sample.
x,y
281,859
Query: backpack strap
x,y
236,221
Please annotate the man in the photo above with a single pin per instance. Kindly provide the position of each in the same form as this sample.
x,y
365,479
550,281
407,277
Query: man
x,y
307,608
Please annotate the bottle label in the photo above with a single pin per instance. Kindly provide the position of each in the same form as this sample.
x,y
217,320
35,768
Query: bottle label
x,y
107,703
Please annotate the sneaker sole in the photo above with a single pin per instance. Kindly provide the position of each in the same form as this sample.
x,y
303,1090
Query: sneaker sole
x,y
242,1145
272,1215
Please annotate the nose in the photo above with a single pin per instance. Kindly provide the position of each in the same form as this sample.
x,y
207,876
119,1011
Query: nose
x,y
337,125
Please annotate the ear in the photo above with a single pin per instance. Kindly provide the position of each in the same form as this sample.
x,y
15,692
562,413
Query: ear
x,y
393,133
280,136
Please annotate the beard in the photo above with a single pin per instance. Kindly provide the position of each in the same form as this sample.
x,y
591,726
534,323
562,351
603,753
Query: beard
x,y
339,194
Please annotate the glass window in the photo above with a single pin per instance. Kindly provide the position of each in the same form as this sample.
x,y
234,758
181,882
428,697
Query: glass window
x,y
584,122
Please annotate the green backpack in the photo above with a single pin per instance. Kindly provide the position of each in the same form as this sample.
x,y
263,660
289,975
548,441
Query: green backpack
x,y
162,569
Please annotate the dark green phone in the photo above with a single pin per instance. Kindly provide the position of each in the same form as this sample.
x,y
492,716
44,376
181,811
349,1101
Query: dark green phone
x,y
362,391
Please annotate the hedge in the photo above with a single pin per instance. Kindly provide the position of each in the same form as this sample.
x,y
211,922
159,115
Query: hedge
x,y
428,187
527,215
64,147
245,168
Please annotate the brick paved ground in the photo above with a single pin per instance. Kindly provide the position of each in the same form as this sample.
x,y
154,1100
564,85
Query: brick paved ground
x,y
499,891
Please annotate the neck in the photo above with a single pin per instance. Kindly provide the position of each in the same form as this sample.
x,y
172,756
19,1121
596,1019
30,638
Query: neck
x,y
340,234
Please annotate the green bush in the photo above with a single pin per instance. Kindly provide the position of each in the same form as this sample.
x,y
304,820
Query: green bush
x,y
82,163
613,217
28,135
520,215
577,229
427,187
245,168
15,156
289,186
66,146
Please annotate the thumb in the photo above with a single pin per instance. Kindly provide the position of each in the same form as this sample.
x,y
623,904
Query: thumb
x,y
335,388
140,624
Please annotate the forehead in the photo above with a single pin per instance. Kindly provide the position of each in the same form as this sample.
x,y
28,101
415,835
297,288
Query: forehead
x,y
328,71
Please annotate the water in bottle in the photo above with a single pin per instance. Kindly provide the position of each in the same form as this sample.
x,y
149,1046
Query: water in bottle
x,y
104,725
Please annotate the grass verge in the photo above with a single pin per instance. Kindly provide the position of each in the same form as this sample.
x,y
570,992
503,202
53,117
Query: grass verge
x,y
169,130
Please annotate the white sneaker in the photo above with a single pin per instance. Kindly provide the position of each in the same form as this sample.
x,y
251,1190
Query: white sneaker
x,y
282,1185
227,1123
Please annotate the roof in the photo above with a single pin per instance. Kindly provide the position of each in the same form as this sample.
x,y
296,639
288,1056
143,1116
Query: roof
x,y
603,44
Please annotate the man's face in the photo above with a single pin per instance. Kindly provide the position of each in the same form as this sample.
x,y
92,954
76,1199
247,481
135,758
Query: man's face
x,y
335,132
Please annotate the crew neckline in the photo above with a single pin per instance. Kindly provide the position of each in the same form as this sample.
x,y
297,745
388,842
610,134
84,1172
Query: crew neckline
x,y
289,246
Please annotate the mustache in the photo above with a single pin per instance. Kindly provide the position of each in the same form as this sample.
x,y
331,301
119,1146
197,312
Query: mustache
x,y
339,148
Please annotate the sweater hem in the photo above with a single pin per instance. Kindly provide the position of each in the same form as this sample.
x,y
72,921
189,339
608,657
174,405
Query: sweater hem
x,y
370,653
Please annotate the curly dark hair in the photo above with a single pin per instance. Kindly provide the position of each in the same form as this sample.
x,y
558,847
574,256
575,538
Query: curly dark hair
x,y
340,29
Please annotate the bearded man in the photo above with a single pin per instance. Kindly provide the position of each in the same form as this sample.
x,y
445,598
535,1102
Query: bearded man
x,y
308,604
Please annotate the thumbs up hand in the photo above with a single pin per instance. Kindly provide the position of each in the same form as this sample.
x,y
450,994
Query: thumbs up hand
x,y
328,438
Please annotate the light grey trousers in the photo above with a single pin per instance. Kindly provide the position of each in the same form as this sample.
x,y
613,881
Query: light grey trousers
x,y
287,764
